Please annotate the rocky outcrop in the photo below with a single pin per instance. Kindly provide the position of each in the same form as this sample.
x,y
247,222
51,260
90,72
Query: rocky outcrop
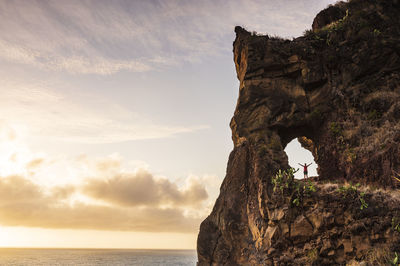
x,y
337,89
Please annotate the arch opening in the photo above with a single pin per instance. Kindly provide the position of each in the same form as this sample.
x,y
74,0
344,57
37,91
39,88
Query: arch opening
x,y
297,154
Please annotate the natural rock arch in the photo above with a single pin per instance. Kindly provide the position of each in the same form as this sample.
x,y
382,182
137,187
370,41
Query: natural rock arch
x,y
290,89
339,86
298,151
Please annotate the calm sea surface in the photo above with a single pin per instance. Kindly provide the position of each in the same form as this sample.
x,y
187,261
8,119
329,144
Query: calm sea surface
x,y
22,256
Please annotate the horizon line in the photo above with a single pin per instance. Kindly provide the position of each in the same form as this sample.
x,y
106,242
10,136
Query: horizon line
x,y
163,249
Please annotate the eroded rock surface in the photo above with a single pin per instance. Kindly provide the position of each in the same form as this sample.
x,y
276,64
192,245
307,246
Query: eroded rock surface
x,y
337,89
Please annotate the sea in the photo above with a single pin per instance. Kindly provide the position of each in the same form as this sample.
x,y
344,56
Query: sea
x,y
112,257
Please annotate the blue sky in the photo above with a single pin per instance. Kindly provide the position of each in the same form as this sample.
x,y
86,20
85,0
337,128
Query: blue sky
x,y
129,86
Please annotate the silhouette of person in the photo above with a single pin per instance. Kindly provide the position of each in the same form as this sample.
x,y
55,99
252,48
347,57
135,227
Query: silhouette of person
x,y
305,166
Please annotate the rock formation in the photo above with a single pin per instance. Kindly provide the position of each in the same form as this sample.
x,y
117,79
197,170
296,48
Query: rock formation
x,y
337,89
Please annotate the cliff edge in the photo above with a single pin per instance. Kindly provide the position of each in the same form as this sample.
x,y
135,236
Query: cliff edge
x,y
336,89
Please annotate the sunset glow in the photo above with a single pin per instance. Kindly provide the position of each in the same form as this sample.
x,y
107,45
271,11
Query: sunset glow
x,y
114,125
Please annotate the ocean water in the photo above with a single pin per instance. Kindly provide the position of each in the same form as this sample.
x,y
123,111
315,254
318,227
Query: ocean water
x,y
112,257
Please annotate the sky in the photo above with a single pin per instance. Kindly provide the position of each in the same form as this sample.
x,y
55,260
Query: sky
x,y
114,116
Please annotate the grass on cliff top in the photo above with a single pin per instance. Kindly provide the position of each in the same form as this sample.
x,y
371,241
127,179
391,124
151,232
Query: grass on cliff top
x,y
364,20
335,185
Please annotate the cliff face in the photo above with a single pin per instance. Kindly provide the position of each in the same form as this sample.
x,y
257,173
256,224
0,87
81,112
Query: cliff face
x,y
337,89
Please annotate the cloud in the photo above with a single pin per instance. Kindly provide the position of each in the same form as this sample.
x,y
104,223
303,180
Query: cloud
x,y
16,189
96,193
142,189
103,37
35,163
110,163
24,203
78,118
7,133
74,64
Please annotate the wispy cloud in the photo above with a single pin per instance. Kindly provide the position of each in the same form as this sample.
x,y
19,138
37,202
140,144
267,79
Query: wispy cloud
x,y
52,115
73,64
103,37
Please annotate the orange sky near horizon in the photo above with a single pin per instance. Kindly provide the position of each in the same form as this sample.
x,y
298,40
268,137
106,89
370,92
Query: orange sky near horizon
x,y
67,238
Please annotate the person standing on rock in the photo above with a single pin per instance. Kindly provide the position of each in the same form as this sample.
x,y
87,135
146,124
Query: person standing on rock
x,y
305,166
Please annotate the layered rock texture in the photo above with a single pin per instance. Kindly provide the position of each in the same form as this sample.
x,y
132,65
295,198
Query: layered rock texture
x,y
337,89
